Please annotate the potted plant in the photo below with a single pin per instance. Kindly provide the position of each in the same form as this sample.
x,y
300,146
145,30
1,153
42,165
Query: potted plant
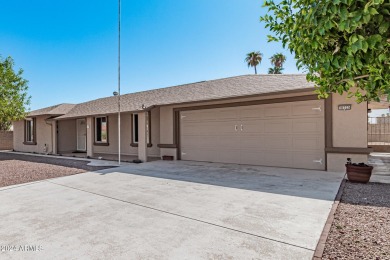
x,y
358,172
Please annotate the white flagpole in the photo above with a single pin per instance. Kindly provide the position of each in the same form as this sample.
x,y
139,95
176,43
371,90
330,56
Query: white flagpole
x,y
119,82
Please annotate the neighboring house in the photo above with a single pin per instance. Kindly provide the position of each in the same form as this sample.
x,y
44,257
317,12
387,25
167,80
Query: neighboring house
x,y
272,120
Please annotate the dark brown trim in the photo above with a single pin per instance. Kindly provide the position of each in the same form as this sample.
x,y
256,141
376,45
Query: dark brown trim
x,y
351,150
34,141
328,121
101,144
250,103
94,132
29,143
328,126
136,145
167,145
132,144
150,129
176,133
319,251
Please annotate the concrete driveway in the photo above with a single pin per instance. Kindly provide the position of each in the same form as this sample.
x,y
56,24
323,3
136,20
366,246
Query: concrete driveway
x,y
170,210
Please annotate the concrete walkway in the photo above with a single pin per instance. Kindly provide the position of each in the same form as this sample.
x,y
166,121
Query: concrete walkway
x,y
381,163
92,162
170,210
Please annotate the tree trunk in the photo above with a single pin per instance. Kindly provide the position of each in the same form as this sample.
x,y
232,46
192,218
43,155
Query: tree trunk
x,y
255,70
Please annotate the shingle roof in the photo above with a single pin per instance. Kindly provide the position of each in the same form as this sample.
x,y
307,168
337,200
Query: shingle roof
x,y
238,86
60,109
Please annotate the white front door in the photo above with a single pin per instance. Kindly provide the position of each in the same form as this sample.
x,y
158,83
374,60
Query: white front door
x,y
81,135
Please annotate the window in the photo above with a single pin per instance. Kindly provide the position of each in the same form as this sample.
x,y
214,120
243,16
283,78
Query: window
x,y
101,130
135,128
29,131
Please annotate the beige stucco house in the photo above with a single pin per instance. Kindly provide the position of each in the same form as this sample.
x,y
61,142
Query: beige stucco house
x,y
272,120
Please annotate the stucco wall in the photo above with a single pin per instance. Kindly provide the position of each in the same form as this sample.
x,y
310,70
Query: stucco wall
x,y
336,162
126,133
349,131
6,140
350,126
66,136
43,136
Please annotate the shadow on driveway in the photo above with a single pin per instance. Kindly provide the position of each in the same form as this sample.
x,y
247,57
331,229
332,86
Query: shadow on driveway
x,y
313,184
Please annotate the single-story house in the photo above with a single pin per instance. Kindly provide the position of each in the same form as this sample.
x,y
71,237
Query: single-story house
x,y
271,120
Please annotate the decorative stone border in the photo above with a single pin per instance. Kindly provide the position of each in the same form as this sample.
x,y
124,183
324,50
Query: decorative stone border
x,y
319,251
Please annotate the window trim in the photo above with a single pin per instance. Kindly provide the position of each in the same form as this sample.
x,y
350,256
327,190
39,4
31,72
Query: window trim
x,y
34,131
135,144
133,128
100,143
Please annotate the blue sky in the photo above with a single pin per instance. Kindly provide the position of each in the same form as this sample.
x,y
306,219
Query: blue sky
x,y
68,49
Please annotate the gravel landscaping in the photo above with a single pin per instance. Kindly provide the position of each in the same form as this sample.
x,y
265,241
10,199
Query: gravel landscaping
x,y
17,168
361,227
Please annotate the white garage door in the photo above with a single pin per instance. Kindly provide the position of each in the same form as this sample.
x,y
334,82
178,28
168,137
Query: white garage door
x,y
284,134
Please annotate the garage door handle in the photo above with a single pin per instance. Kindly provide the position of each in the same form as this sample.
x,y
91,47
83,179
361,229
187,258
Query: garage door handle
x,y
242,128
318,161
235,128
317,108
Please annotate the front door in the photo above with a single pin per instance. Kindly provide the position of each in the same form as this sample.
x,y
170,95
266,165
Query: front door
x,y
81,135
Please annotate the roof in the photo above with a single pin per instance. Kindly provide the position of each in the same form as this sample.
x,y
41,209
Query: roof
x,y
239,86
56,110
383,104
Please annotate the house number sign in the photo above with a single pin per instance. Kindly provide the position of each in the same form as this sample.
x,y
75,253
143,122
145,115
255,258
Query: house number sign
x,y
345,107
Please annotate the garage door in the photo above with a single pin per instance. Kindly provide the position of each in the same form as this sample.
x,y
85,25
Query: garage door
x,y
284,134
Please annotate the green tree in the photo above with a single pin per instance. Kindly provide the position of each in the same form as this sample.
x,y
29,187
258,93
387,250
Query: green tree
x,y
277,60
253,59
13,94
341,43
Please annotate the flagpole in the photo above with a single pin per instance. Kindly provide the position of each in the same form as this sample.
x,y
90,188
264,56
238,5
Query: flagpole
x,y
119,82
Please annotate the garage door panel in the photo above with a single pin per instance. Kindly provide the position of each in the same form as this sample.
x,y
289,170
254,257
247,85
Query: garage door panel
x,y
227,141
278,126
227,114
208,128
280,142
252,126
197,154
284,135
308,108
255,157
309,125
308,142
278,158
209,155
198,141
195,116
229,156
253,112
276,111
251,141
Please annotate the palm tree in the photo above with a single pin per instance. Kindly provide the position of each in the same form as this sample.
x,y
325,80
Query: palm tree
x,y
275,70
253,59
277,60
